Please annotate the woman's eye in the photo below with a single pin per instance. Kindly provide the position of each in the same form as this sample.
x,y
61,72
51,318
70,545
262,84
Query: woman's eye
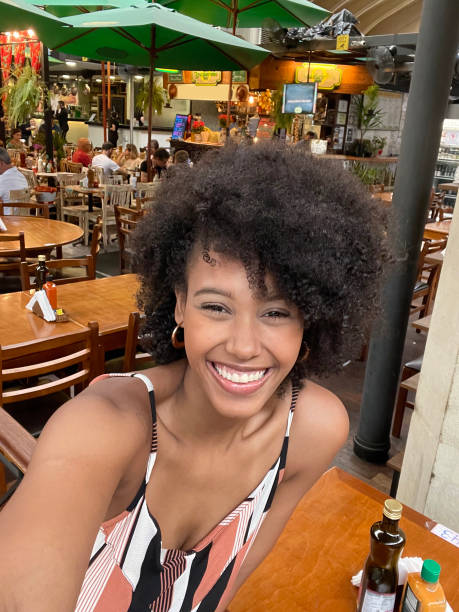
x,y
276,314
216,308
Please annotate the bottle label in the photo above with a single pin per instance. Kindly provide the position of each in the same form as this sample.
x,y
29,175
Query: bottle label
x,y
410,602
378,602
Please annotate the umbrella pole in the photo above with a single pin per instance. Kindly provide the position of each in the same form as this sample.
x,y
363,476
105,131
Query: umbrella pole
x,y
104,101
230,87
150,99
47,110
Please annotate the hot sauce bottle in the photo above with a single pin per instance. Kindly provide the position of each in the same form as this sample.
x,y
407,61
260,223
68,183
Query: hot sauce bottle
x,y
423,592
380,574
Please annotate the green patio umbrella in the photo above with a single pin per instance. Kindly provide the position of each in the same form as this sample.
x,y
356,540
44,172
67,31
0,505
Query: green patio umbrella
x,y
150,35
249,14
67,8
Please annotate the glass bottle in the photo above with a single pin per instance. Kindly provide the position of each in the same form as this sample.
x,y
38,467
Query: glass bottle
x,y
41,272
423,592
90,176
380,574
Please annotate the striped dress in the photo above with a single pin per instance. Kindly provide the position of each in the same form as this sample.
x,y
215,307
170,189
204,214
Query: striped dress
x,y
129,570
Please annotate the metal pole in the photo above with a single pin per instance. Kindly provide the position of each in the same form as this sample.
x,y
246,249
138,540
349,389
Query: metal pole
x,y
150,99
104,101
430,86
131,109
47,110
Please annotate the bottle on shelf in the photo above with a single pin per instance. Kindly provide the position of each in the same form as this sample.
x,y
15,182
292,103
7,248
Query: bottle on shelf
x,y
423,592
41,272
378,588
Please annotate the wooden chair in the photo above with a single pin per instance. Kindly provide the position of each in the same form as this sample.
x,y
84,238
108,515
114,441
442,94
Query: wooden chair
x,y
96,239
30,176
70,166
16,448
126,222
115,179
40,207
10,260
408,382
145,195
63,273
427,279
72,205
114,195
35,379
134,360
376,188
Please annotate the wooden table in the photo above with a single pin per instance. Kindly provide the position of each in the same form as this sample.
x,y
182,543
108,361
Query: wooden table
x,y
326,542
40,235
448,186
105,300
437,230
422,324
19,326
384,196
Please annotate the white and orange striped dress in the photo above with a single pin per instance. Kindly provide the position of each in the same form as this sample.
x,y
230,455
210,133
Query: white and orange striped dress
x,y
130,571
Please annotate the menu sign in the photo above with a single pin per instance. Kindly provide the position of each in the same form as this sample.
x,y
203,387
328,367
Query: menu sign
x,y
207,77
327,76
175,77
239,76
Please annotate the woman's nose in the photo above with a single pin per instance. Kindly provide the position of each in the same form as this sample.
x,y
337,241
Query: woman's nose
x,y
243,340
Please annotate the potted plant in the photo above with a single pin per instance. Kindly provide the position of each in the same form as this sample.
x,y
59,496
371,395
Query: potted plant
x,y
283,120
158,100
23,95
197,127
369,117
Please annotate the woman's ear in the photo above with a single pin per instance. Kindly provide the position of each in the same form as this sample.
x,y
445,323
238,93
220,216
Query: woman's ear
x,y
180,303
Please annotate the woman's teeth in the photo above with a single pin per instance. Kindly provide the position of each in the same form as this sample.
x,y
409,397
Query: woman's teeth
x,y
244,377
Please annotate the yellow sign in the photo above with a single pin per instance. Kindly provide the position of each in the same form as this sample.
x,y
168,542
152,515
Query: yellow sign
x,y
342,42
327,76
207,77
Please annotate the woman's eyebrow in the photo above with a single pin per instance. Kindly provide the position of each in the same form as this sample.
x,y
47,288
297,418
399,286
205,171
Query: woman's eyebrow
x,y
213,290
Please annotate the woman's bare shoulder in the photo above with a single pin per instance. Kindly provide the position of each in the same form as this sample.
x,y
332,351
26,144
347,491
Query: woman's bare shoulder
x,y
319,428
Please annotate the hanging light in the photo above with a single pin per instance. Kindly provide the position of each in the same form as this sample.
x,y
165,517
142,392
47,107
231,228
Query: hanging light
x,y
251,100
31,33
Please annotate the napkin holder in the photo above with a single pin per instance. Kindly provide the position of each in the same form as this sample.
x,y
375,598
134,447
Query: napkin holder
x,y
40,306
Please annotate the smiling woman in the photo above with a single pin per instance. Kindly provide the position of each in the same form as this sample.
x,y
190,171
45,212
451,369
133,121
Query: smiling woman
x,y
163,490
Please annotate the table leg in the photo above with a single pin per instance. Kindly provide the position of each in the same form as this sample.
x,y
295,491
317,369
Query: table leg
x,y
59,252
90,203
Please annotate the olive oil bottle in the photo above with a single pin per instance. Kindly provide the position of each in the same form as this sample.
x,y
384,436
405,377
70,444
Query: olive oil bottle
x,y
379,583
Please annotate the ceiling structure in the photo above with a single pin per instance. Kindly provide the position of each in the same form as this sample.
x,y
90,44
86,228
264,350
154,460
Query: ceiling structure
x,y
380,16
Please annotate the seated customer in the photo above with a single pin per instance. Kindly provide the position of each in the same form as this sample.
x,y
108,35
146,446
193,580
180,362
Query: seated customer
x,y
182,157
10,178
16,142
159,165
104,161
129,159
81,155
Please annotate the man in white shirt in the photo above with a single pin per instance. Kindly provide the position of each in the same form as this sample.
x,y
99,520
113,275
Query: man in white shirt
x,y
10,178
103,161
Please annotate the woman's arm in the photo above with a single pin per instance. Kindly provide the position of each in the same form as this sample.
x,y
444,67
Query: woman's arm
x,y
320,427
48,528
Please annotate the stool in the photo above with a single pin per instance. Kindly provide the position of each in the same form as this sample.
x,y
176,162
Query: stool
x,y
408,382
395,463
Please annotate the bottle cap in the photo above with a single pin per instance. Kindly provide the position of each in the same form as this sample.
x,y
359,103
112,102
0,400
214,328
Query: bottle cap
x,y
392,509
430,570
42,258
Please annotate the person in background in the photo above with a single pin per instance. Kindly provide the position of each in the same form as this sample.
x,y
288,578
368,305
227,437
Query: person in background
x,y
113,130
15,141
26,131
10,178
182,157
160,160
305,143
62,116
129,159
104,161
82,153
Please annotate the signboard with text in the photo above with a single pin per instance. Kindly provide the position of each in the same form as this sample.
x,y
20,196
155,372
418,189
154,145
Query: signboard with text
x,y
327,76
207,77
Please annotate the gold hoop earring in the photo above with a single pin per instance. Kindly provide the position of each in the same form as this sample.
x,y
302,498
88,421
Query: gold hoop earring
x,y
307,351
176,343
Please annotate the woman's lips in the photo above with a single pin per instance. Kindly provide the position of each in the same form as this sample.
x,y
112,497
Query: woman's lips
x,y
240,388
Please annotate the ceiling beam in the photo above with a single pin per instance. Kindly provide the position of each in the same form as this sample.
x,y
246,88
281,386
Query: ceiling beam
x,y
388,14
368,7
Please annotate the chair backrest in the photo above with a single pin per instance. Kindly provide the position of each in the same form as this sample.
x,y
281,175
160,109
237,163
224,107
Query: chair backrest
x,y
145,194
15,156
376,188
132,359
75,358
96,238
28,270
30,176
126,222
40,207
116,195
115,179
429,247
16,443
69,178
19,195
14,253
99,174
71,166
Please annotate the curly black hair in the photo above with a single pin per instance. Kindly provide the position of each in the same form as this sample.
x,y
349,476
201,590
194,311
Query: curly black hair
x,y
306,221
